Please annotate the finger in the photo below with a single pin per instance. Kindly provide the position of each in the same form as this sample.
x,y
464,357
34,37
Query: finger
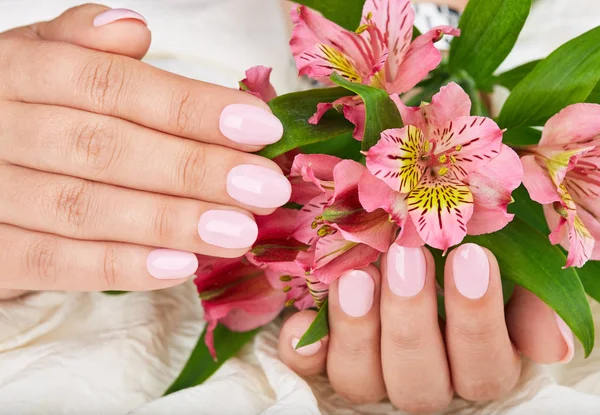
x,y
484,364
308,360
106,149
11,294
536,330
87,210
354,359
37,261
68,75
413,353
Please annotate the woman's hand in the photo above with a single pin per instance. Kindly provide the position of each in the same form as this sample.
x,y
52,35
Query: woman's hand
x,y
103,157
385,338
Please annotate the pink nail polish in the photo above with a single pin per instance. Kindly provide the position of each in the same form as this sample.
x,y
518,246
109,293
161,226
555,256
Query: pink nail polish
x,y
248,124
355,292
113,15
167,264
568,336
309,350
406,270
471,269
227,229
258,186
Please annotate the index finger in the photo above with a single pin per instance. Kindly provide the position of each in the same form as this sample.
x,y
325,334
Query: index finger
x,y
71,76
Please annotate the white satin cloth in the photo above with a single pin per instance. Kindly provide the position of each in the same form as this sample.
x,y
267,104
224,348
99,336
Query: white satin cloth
x,y
88,353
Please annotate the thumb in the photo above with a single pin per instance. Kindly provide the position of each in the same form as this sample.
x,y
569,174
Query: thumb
x,y
119,31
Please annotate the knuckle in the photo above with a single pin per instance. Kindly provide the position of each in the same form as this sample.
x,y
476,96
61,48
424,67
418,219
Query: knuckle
x,y
477,335
97,145
184,112
102,80
355,349
406,336
72,202
40,259
165,224
190,171
109,269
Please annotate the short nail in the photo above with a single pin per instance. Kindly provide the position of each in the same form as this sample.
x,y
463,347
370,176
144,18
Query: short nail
x,y
568,337
471,269
258,186
406,270
166,264
227,229
356,290
113,15
309,350
248,124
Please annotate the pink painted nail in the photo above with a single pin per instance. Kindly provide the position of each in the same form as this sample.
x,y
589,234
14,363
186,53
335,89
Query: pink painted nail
x,y
406,270
167,264
258,186
113,15
355,292
248,124
471,269
309,350
227,229
568,336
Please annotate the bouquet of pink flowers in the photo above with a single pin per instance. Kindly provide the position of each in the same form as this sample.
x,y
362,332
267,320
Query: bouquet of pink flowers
x,y
399,145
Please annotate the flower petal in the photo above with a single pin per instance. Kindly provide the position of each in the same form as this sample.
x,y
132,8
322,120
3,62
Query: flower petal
x,y
537,182
395,158
308,225
450,103
352,256
421,58
440,207
578,123
257,82
593,225
409,235
356,113
375,194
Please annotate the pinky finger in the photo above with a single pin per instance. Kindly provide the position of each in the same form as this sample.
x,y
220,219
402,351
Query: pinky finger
x,y
306,361
37,261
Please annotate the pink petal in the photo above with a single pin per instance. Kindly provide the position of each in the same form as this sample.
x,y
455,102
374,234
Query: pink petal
x,y
322,108
592,224
346,176
278,225
307,227
409,235
375,194
314,166
257,81
577,123
421,58
357,257
396,158
537,182
356,114
450,103
440,208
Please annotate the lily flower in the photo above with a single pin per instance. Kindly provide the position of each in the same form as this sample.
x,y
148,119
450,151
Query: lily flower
x,y
257,83
562,173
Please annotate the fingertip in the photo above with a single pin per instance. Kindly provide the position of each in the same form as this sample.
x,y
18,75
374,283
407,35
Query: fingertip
x,y
308,360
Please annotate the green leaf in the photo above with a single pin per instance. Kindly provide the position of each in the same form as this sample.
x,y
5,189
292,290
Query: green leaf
x,y
567,76
594,97
346,13
521,136
489,30
511,78
318,329
526,257
344,147
201,365
294,110
590,278
528,210
381,112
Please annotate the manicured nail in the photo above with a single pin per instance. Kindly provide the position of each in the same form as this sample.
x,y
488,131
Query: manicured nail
x,y
568,336
227,229
356,290
113,15
309,350
248,124
166,264
406,270
471,269
258,186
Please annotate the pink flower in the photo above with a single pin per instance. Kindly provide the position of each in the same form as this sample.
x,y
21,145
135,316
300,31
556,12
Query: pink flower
x,y
258,84
562,174
380,53
447,173
342,235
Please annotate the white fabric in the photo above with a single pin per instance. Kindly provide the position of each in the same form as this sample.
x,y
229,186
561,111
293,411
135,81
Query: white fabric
x,y
88,353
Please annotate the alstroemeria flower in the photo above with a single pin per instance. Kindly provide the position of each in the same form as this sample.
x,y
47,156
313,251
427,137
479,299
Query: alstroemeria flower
x,y
257,83
562,173
343,235
380,53
449,172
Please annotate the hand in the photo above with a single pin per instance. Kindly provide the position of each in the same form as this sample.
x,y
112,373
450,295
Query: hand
x,y
104,157
385,339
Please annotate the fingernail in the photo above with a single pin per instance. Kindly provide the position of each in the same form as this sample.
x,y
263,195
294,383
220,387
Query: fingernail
x,y
227,229
113,15
568,336
471,269
356,290
309,350
258,186
248,124
406,270
166,264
